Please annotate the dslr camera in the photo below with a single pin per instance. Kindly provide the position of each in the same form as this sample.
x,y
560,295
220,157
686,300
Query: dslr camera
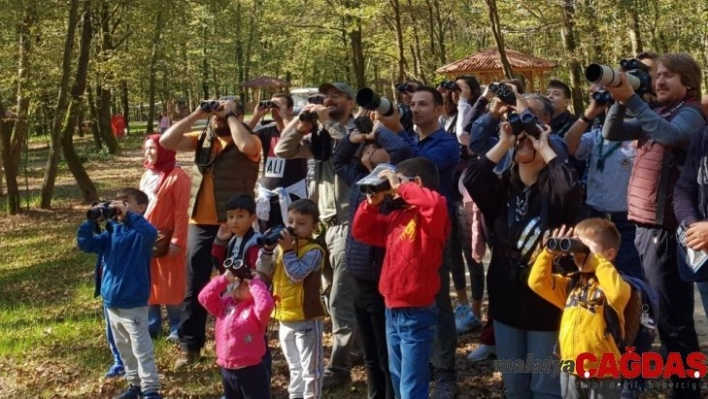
x,y
272,236
567,245
238,268
637,75
102,209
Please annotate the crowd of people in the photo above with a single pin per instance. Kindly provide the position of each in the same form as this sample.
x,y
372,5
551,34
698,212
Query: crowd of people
x,y
458,173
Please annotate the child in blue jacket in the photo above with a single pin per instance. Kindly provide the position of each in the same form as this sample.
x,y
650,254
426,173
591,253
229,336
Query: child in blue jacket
x,y
126,246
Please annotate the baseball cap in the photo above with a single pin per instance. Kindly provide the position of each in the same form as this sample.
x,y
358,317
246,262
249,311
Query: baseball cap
x,y
339,86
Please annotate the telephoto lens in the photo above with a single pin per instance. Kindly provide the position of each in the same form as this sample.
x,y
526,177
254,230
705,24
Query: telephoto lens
x,y
369,99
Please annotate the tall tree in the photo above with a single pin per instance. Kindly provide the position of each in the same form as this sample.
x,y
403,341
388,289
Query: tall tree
x,y
50,173
86,186
13,191
153,69
568,33
495,27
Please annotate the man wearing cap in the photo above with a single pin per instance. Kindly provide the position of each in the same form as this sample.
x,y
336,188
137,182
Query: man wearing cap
x,y
226,159
318,139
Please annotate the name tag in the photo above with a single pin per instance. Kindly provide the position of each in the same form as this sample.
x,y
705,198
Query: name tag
x,y
274,167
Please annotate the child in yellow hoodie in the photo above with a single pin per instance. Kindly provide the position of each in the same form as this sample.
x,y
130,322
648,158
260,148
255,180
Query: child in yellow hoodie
x,y
597,284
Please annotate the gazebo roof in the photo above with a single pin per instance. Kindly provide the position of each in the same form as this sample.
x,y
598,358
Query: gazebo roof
x,y
266,81
488,61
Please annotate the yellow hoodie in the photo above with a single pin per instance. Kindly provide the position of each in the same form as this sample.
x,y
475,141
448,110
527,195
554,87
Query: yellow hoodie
x,y
583,326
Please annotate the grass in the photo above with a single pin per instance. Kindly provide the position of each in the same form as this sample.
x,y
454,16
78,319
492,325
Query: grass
x,y
52,340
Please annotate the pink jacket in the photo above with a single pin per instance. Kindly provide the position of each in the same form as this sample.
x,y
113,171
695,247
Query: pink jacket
x,y
240,326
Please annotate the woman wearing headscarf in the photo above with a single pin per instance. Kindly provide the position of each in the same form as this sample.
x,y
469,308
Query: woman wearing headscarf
x,y
167,187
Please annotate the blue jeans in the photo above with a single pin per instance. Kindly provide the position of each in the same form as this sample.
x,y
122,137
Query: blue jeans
x,y
111,341
409,334
155,318
516,344
703,289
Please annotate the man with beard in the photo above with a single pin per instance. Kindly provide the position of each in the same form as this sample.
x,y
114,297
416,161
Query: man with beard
x,y
226,162
306,139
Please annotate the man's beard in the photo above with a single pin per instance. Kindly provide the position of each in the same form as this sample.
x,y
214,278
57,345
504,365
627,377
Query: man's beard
x,y
222,131
336,114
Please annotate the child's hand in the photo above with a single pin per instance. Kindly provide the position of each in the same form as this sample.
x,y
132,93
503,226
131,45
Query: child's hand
x,y
224,233
393,180
122,209
229,276
375,199
287,241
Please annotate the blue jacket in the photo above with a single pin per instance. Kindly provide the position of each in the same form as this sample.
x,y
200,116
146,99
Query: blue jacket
x,y
363,261
126,249
442,149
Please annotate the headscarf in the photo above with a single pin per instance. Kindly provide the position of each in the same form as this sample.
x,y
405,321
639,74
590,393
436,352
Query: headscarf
x,y
166,160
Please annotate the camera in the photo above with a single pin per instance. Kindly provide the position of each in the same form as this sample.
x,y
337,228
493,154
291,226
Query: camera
x,y
308,117
524,122
446,84
401,87
102,209
364,124
567,245
602,97
268,104
238,268
272,236
637,75
369,99
209,105
316,99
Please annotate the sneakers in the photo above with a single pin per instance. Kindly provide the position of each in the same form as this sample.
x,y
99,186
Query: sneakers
x,y
483,352
186,358
465,320
444,390
115,371
152,395
132,392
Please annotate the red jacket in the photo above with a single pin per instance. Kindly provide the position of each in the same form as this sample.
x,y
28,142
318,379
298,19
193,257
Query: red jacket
x,y
414,239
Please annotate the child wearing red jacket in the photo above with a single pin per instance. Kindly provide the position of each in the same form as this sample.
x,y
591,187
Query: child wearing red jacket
x,y
241,322
414,236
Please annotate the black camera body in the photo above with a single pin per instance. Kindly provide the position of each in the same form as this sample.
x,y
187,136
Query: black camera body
x,y
364,124
449,85
102,209
209,105
272,236
567,245
637,68
308,117
268,104
238,268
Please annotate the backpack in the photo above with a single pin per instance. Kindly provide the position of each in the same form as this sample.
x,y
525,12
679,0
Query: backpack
x,y
639,315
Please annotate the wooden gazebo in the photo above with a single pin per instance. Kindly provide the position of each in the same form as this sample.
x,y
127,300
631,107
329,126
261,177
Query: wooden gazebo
x,y
486,66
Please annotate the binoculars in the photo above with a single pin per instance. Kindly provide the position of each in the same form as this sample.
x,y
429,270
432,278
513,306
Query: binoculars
x,y
308,117
503,92
524,122
405,87
602,97
567,245
209,105
268,104
102,209
272,236
449,85
238,268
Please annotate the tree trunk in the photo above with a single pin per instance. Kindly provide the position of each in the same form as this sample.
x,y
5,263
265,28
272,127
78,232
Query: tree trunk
x,y
86,186
125,105
93,112
358,55
568,31
153,71
104,120
399,40
499,37
205,68
21,127
635,32
440,33
13,191
50,173
417,59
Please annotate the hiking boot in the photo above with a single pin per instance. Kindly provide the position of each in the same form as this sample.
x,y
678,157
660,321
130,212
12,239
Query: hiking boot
x,y
152,395
444,390
132,392
333,379
483,352
186,358
115,371
465,320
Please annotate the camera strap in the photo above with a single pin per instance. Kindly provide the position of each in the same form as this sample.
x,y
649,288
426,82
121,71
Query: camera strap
x,y
601,157
242,247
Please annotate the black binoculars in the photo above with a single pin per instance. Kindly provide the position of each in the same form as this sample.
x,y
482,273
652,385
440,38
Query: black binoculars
x,y
209,105
308,117
401,87
449,85
602,97
524,122
503,92
272,236
268,104
316,99
238,268
102,209
567,245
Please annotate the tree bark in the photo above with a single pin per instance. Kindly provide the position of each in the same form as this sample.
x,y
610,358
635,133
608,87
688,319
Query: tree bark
x,y
93,112
83,181
568,17
21,127
103,95
13,191
50,173
153,70
635,33
399,40
499,37
358,54
125,105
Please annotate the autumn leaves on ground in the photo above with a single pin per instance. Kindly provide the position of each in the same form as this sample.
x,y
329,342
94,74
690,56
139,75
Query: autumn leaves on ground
x,y
52,339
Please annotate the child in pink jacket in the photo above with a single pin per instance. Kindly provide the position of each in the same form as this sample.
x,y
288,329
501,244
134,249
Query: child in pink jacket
x,y
241,321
